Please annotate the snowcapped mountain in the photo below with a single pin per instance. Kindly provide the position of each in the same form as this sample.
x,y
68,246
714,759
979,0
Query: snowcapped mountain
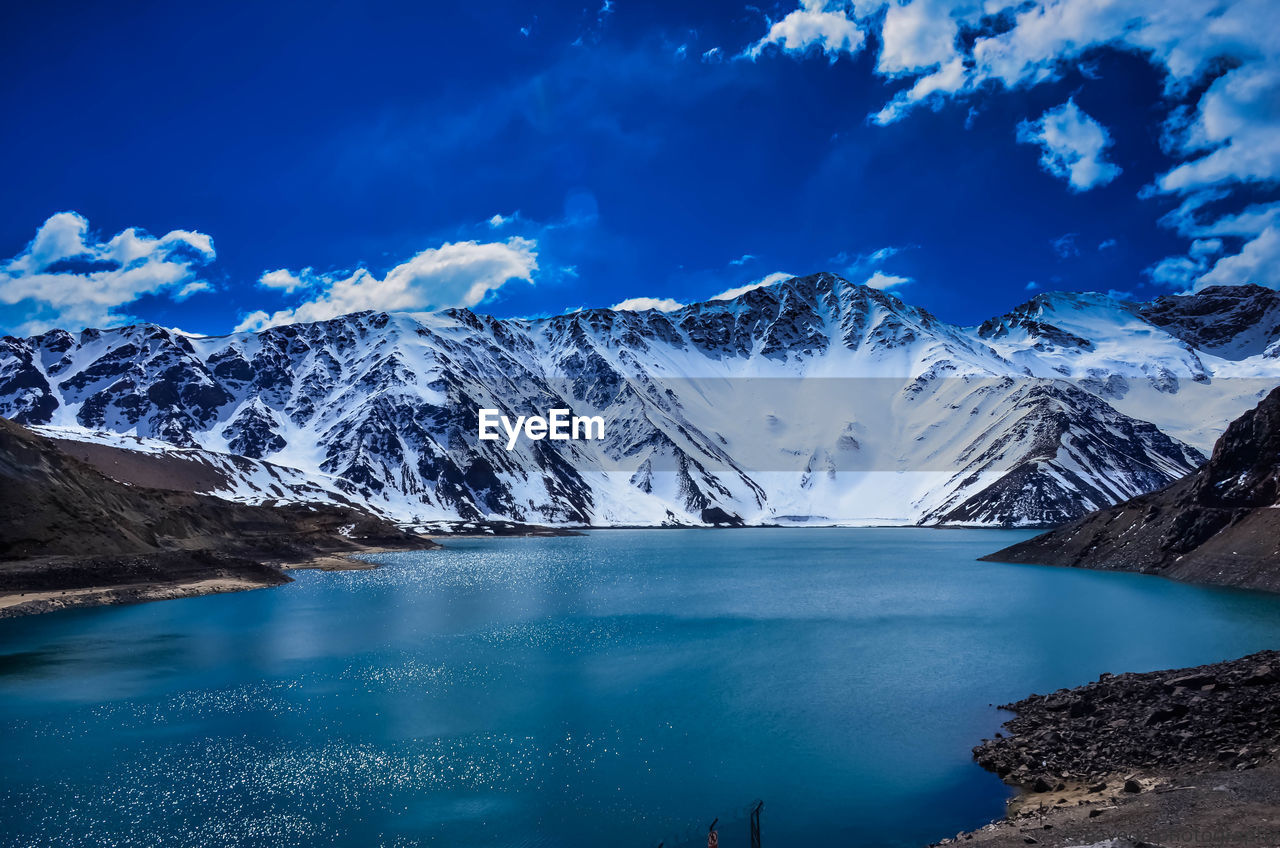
x,y
812,399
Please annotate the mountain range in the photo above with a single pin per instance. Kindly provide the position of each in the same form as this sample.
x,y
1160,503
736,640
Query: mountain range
x,y
812,400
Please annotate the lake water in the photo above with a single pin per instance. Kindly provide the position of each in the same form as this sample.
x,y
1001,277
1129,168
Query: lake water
x,y
621,688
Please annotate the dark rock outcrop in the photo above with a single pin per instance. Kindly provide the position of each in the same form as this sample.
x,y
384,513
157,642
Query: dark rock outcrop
x,y
1230,321
1153,760
1218,525
1213,717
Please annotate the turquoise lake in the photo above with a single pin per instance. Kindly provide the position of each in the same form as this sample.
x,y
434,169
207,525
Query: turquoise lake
x,y
621,688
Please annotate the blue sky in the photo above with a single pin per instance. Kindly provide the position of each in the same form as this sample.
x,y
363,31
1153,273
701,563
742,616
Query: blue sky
x,y
242,165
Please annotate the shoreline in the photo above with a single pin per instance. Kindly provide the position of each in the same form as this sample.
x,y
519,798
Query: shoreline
x,y
1173,810
344,560
228,573
222,575
1179,757
20,604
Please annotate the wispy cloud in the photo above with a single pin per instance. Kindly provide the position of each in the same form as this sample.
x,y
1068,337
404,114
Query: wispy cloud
x,y
1065,245
766,280
855,266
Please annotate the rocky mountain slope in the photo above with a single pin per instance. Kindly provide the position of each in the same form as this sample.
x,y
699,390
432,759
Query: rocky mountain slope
x,y
1236,322
64,526
813,399
1220,524
159,465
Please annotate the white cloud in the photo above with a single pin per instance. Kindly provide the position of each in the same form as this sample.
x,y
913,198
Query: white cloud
x,y
67,278
883,281
258,319
1220,60
812,25
1238,122
454,274
1073,146
1107,244
742,260
193,287
1257,225
287,281
1176,272
1257,262
767,280
499,221
1203,248
642,304
916,36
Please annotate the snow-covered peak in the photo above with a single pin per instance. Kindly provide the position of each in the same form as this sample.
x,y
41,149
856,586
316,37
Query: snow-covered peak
x,y
1233,322
1087,335
1061,320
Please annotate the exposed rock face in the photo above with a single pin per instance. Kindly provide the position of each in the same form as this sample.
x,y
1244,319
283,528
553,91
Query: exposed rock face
x,y
813,396
1155,760
1212,717
1059,432
1218,525
87,529
1231,321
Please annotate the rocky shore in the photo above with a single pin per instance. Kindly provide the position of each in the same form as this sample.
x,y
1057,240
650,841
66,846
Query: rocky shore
x,y
1166,758
1225,715
47,584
